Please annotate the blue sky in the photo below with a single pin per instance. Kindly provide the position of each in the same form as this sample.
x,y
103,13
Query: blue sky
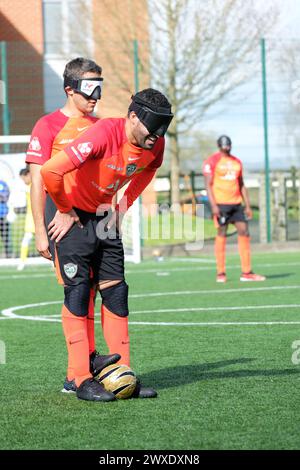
x,y
240,114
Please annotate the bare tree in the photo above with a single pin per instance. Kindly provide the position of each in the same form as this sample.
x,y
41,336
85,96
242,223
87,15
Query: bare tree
x,y
208,48
285,60
200,51
119,25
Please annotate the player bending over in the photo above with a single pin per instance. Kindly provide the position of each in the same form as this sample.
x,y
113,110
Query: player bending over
x,y
81,181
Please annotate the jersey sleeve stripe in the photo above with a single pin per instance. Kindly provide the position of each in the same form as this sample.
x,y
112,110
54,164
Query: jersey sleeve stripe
x,y
34,153
77,154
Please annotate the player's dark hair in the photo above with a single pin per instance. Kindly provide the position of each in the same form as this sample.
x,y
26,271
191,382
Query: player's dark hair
x,y
24,172
154,98
76,68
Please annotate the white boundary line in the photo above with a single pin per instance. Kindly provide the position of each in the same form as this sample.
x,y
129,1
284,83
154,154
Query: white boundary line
x,y
160,268
212,291
9,313
193,268
25,276
212,309
266,323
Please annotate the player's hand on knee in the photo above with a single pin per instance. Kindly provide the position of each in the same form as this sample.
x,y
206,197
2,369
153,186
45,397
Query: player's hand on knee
x,y
61,224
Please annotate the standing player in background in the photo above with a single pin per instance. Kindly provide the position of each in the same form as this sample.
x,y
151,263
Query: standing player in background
x,y
81,182
29,223
82,85
4,223
226,191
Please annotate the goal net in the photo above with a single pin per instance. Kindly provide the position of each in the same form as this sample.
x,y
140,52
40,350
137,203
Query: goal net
x,y
13,209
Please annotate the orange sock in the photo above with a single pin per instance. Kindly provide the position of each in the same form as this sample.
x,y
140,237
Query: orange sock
x,y
220,246
91,322
75,330
115,332
244,250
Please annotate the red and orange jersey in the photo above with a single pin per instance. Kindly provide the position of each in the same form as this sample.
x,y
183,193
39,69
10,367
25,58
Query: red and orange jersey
x,y
52,133
96,165
226,172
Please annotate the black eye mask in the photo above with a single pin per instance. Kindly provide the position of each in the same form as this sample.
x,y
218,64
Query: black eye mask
x,y
89,88
156,119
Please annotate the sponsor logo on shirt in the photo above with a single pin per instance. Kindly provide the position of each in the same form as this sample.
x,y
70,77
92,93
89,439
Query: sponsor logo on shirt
x,y
114,167
131,159
229,172
35,144
82,128
110,189
85,148
65,141
229,176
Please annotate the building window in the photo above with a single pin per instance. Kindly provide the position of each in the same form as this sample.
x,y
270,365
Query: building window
x,y
68,28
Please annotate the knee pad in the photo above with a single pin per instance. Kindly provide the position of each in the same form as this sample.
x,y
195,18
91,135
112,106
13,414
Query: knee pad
x,y
115,299
77,299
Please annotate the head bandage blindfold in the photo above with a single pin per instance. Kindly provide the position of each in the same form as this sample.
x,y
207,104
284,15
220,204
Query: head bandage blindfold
x,y
156,119
90,88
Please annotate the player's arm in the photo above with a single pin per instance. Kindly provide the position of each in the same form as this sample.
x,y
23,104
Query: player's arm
x,y
53,172
138,184
38,197
38,152
133,191
246,199
91,143
208,179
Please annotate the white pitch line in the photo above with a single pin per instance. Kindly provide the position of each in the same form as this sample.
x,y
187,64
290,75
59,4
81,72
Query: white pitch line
x,y
159,268
192,260
212,309
249,323
193,268
9,313
212,291
25,276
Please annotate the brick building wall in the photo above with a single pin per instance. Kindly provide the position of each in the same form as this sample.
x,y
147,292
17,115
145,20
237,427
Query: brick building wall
x,y
116,24
21,29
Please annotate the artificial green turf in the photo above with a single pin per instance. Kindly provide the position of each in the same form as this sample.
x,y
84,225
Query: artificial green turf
x,y
220,387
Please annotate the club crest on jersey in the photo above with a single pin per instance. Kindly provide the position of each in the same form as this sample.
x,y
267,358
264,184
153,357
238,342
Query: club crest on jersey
x,y
70,270
35,144
130,169
85,148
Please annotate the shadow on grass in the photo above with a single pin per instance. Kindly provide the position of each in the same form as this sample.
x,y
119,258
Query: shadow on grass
x,y
190,373
278,276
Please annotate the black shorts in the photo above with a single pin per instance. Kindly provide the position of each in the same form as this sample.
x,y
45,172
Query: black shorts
x,y
81,255
232,213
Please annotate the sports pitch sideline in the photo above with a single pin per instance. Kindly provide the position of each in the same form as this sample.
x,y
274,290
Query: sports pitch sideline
x,y
224,359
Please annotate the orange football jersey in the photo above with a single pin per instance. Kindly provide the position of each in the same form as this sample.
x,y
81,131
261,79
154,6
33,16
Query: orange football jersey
x,y
226,172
